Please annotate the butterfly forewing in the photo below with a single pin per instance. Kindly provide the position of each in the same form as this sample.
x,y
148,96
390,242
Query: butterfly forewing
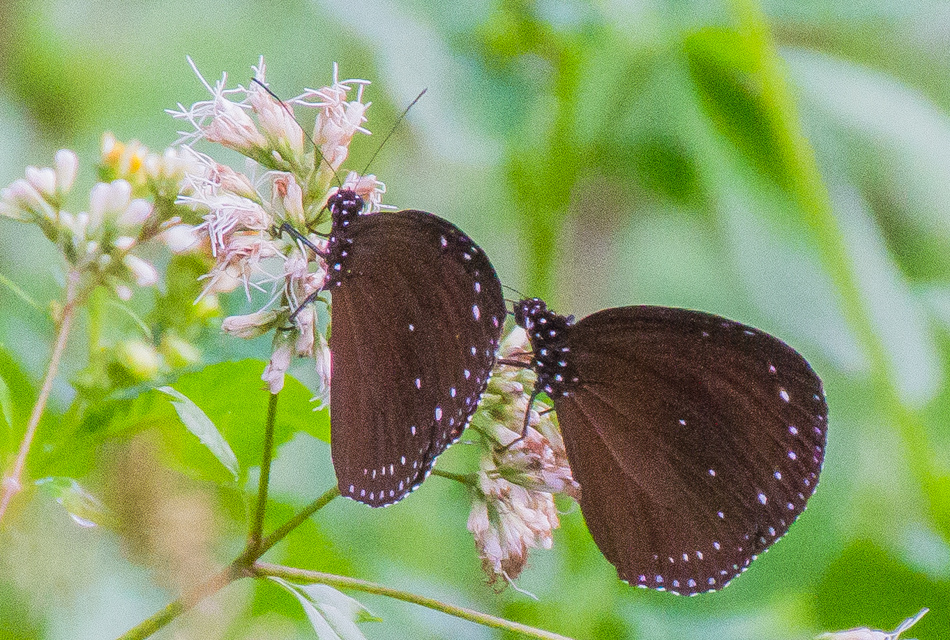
x,y
696,442
416,322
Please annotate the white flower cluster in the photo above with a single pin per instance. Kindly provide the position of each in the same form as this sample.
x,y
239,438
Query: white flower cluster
x,y
99,242
514,508
244,217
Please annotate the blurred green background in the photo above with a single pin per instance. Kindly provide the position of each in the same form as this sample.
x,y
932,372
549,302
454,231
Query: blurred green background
x,y
603,154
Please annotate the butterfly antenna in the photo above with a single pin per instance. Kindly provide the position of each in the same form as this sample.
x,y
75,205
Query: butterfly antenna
x,y
520,295
290,112
391,131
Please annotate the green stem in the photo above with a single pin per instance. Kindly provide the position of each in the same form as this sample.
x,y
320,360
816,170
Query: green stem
x,y
808,189
240,568
468,479
281,532
257,525
12,483
342,582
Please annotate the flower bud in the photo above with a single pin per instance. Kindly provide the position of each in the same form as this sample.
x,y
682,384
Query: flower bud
x,y
251,325
324,368
178,352
279,363
144,272
277,121
180,238
135,215
107,201
233,128
43,180
138,358
67,165
290,196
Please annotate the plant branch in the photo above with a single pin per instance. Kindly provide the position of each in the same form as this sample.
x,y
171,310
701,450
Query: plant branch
x,y
257,525
343,582
281,532
241,568
12,482
186,602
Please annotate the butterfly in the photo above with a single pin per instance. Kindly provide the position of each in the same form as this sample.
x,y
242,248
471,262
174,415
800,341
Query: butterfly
x,y
696,440
417,315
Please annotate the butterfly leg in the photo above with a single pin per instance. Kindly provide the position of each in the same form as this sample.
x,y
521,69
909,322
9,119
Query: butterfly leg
x,y
313,297
296,235
527,421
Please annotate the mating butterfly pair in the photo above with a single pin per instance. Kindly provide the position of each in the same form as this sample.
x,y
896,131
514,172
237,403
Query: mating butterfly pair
x,y
696,440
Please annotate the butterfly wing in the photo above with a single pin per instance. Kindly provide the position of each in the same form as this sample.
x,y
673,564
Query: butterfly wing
x,y
696,441
416,322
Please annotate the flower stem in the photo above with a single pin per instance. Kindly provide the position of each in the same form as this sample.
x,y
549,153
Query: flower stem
x,y
12,482
468,479
343,582
254,538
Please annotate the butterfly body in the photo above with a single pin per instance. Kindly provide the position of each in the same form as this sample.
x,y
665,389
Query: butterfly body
x,y
696,440
417,317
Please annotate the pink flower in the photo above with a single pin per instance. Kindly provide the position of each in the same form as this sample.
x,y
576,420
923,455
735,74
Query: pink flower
x,y
279,363
507,521
289,196
229,125
276,119
324,368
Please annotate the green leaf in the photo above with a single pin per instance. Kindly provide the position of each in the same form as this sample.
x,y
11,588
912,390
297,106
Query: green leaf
x,y
231,395
199,424
867,586
17,395
333,614
235,398
725,71
83,507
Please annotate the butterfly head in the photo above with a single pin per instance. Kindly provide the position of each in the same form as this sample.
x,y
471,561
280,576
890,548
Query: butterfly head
x,y
344,206
528,311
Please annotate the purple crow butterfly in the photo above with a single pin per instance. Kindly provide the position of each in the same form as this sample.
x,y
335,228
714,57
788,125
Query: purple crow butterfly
x,y
696,440
417,316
